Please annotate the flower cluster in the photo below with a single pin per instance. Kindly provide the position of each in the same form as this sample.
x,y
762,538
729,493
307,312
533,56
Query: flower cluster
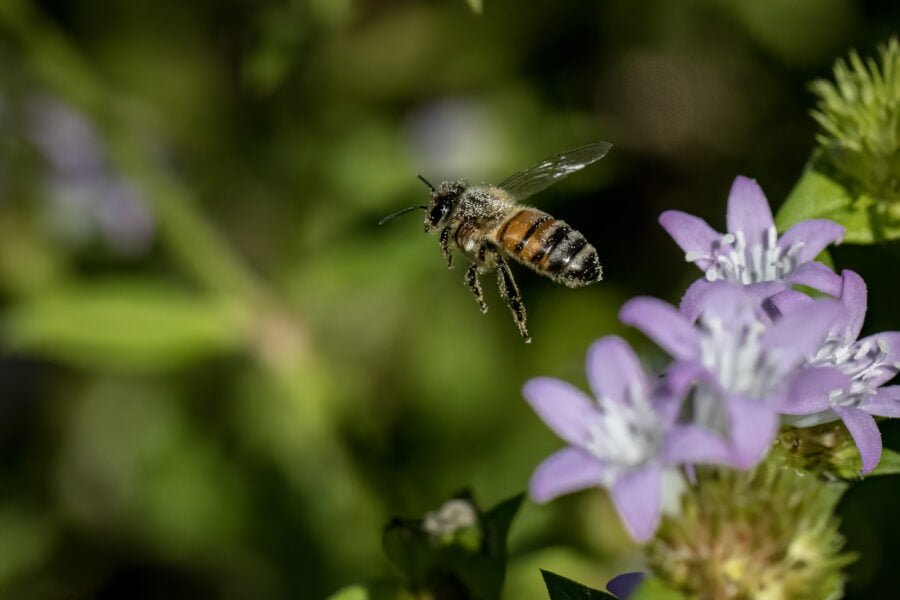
x,y
750,353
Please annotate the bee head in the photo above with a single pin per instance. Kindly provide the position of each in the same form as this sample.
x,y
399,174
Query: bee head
x,y
443,200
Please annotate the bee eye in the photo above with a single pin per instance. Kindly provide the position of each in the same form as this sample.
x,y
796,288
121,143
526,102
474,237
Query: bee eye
x,y
441,207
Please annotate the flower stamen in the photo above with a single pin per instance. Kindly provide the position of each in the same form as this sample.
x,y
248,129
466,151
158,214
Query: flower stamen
x,y
866,362
733,259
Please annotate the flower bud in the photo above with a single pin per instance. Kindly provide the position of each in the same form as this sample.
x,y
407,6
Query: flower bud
x,y
859,113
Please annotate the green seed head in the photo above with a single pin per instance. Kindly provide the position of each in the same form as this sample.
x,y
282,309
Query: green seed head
x,y
765,534
859,113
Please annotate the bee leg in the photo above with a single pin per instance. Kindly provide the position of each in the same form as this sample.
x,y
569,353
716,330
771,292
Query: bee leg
x,y
510,293
475,286
445,246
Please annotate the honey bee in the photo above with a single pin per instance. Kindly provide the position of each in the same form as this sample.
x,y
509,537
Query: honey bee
x,y
487,225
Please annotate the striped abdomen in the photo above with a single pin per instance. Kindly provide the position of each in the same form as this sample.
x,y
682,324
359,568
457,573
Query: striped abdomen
x,y
550,247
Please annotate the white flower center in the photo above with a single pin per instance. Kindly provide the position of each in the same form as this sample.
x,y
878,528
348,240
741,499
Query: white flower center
x,y
733,352
705,406
732,259
627,434
454,515
861,361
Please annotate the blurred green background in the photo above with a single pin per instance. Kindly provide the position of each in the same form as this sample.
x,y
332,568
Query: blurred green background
x,y
220,378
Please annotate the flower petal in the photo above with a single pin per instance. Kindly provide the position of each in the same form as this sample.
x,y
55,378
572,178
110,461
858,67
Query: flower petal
x,y
728,301
765,289
889,342
784,303
817,276
564,408
851,290
854,298
622,586
691,304
748,210
883,403
692,234
752,424
613,370
637,496
693,444
800,333
662,323
566,471
673,387
812,236
681,376
866,434
809,390
810,420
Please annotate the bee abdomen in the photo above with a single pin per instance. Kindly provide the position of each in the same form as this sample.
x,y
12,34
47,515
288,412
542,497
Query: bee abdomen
x,y
551,247
519,233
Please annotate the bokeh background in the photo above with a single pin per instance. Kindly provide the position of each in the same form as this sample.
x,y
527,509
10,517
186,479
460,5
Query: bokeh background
x,y
220,378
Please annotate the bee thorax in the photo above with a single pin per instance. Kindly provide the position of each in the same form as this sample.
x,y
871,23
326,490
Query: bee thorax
x,y
481,204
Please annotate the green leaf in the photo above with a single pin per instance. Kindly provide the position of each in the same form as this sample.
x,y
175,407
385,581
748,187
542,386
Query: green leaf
x,y
654,589
477,6
497,522
819,196
353,592
407,547
375,591
27,542
451,563
561,588
888,465
124,324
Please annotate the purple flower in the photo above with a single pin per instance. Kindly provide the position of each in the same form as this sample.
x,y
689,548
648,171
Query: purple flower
x,y
65,138
622,586
88,196
625,440
868,363
751,252
743,365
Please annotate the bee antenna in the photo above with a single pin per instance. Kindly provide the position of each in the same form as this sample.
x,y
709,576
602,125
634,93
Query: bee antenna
x,y
428,183
402,212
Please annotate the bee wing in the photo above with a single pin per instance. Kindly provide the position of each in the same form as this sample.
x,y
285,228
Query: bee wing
x,y
547,172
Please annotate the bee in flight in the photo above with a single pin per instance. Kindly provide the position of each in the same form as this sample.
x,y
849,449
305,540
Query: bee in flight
x,y
487,225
